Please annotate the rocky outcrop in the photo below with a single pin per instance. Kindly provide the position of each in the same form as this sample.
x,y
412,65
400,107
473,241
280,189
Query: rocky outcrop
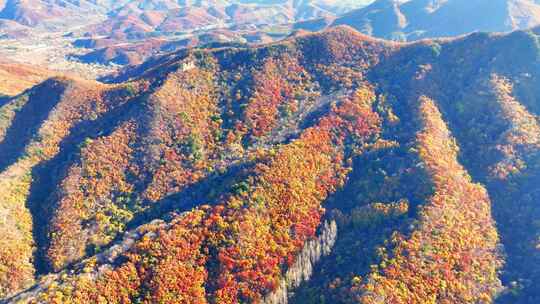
x,y
302,269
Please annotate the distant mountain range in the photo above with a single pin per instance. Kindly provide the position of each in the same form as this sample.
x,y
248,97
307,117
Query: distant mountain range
x,y
34,13
130,31
417,19
170,15
127,32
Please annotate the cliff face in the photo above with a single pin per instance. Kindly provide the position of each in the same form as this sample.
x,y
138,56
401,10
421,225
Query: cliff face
x,y
302,269
223,175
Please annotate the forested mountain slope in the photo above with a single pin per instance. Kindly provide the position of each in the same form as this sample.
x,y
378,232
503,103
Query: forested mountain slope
x,y
327,168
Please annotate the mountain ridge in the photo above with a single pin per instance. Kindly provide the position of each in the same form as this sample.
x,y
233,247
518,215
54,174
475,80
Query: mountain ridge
x,y
417,151
417,19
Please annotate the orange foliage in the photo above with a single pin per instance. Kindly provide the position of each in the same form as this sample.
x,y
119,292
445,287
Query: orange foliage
x,y
276,87
236,250
451,256
186,122
79,101
523,136
91,194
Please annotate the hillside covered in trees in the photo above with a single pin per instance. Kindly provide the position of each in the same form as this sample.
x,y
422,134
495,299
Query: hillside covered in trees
x,y
326,168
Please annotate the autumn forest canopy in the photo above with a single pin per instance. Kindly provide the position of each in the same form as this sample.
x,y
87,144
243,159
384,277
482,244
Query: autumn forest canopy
x,y
329,167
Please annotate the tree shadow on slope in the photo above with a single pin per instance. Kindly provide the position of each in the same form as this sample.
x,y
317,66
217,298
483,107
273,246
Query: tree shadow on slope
x,y
385,176
42,99
209,191
515,207
514,201
4,99
47,175
516,210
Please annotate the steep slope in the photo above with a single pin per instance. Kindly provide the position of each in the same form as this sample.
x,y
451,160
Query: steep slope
x,y
454,246
35,124
380,19
330,167
417,19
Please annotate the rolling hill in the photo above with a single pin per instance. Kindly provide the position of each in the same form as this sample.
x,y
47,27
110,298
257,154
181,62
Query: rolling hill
x,y
326,168
16,77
